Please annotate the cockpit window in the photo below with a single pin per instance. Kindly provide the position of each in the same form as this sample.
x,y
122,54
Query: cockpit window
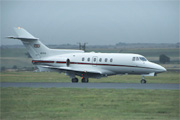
x,y
142,58
137,58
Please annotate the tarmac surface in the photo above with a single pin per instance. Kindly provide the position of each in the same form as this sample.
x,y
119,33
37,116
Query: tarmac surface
x,y
92,85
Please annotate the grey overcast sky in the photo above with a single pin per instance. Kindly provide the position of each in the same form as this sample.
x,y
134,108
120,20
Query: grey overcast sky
x,y
93,21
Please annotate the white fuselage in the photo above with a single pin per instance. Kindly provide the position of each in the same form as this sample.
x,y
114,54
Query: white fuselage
x,y
105,63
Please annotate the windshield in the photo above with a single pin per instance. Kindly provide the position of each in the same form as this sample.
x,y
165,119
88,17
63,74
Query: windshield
x,y
142,58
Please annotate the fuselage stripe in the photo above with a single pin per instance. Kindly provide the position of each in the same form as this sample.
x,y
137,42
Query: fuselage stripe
x,y
111,65
40,61
64,62
60,62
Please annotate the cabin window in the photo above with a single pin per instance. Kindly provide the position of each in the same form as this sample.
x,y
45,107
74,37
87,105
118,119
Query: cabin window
x,y
133,59
94,59
83,59
100,59
111,60
106,59
88,59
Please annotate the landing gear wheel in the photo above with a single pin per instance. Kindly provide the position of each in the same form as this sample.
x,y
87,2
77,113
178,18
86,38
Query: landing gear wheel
x,y
84,80
74,80
143,81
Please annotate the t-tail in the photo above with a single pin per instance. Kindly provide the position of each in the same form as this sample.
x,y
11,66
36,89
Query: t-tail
x,y
36,48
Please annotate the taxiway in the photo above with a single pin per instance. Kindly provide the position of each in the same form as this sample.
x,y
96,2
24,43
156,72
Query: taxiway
x,y
92,85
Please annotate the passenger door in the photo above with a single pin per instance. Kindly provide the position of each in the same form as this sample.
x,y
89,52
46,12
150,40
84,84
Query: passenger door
x,y
94,60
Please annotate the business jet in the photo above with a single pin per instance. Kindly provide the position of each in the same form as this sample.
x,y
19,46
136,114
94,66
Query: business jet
x,y
85,64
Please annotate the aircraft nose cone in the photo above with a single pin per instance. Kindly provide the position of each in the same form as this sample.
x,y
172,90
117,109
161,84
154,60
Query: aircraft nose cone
x,y
159,68
162,69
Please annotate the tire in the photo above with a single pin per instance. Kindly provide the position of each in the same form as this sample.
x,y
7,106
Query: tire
x,y
85,80
74,80
143,81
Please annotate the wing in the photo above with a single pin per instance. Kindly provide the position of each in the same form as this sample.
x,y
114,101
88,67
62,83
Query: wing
x,y
78,70
86,72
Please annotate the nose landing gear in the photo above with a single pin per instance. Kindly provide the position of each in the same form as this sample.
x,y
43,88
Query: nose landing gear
x,y
143,81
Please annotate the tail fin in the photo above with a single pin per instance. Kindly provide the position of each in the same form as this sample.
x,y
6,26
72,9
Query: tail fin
x,y
36,49
23,33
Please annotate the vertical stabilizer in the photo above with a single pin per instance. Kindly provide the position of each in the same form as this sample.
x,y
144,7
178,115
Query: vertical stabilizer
x,y
36,49
23,33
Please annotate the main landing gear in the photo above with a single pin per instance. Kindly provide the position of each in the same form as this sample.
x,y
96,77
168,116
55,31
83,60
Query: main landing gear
x,y
143,81
83,80
74,80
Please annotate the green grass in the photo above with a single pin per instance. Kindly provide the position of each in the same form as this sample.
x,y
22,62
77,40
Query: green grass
x,y
88,104
168,77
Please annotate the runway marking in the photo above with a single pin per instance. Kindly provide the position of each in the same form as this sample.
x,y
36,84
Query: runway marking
x,y
92,85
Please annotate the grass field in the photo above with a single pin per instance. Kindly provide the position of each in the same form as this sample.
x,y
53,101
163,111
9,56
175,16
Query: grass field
x,y
168,77
88,104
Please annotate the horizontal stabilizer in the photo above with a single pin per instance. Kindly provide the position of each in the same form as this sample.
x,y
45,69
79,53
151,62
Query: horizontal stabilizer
x,y
22,35
22,38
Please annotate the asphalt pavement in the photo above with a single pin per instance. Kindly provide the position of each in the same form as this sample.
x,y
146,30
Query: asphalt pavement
x,y
92,85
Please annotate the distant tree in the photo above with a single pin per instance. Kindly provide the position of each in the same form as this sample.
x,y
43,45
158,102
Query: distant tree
x,y
178,45
28,55
121,50
3,68
14,67
164,59
121,44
